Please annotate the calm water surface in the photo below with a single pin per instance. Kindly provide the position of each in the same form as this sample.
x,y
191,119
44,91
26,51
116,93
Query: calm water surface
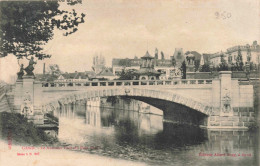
x,y
144,137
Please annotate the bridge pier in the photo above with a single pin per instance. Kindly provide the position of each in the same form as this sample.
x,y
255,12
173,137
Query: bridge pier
x,y
232,103
24,95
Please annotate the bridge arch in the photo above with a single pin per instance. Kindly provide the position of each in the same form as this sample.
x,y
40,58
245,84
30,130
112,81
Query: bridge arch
x,y
189,102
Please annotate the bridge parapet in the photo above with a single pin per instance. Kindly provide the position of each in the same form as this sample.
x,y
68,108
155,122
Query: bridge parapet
x,y
126,83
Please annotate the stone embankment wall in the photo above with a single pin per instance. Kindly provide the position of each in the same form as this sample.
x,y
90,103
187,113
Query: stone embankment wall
x,y
243,117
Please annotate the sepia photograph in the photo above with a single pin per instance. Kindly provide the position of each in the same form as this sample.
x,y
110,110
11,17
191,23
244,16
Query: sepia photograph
x,y
129,82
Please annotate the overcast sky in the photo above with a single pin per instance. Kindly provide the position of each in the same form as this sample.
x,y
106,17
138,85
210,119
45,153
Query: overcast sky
x,y
123,29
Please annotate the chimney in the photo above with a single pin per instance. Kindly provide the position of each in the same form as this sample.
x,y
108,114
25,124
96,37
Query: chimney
x,y
43,68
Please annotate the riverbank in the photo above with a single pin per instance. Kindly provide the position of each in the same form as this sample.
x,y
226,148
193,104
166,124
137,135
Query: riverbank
x,y
22,156
22,143
16,128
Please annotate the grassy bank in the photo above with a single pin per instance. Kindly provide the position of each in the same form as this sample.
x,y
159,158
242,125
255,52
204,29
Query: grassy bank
x,y
15,127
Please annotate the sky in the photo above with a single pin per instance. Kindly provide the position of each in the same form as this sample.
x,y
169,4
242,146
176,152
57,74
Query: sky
x,y
124,29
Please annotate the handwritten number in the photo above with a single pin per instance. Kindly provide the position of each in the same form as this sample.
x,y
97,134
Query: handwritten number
x,y
228,15
222,15
217,15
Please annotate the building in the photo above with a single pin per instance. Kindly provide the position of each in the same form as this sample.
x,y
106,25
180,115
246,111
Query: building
x,y
147,71
252,51
205,59
164,66
215,59
248,52
106,74
99,63
179,56
118,65
76,76
195,60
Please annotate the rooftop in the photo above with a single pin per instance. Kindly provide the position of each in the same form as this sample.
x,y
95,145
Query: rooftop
x,y
147,56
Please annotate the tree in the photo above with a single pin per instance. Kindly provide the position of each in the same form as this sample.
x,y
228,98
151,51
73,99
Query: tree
x,y
196,64
223,66
183,68
26,26
239,60
162,54
173,61
54,70
156,54
205,68
127,75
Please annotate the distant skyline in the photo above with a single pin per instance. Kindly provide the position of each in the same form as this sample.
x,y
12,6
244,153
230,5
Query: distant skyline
x,y
124,29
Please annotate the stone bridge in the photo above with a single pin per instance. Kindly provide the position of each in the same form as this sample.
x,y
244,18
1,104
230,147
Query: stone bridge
x,y
216,103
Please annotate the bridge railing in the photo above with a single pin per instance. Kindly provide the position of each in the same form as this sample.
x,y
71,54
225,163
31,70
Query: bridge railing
x,y
126,83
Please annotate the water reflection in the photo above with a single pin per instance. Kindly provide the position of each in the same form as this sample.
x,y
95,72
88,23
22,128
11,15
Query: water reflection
x,y
144,137
174,135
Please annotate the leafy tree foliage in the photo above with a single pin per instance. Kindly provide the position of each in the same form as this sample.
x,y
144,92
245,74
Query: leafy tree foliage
x,y
239,61
127,75
223,66
196,64
26,26
162,54
173,61
22,132
183,68
156,54
54,69
205,68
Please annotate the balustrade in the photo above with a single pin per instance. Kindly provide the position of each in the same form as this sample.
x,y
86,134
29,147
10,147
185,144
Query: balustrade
x,y
127,83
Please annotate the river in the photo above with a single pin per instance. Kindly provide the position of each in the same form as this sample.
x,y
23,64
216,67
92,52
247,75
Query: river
x,y
131,135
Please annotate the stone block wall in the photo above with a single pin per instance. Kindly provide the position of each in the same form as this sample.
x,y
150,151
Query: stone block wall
x,y
242,117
